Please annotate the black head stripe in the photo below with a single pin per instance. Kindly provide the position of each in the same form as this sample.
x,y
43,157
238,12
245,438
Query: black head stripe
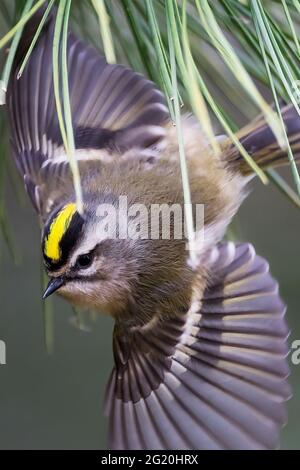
x,y
67,243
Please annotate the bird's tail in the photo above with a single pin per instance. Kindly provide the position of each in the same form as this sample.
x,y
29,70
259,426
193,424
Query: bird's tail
x,y
260,142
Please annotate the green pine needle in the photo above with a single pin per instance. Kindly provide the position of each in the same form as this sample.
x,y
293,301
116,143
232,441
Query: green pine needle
x,y
183,163
66,125
104,21
26,15
35,38
11,56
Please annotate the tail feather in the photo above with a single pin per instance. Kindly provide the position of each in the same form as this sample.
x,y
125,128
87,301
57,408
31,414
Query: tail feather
x,y
260,143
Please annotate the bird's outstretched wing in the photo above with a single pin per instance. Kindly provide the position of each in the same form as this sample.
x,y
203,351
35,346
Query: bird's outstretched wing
x,y
213,379
113,109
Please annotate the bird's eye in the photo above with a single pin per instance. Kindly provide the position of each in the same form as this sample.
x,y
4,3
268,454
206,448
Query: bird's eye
x,y
84,261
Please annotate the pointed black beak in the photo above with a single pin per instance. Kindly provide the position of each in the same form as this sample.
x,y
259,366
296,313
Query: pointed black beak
x,y
54,284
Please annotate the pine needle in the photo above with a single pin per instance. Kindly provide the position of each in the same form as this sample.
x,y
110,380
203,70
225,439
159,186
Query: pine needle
x,y
35,38
183,163
11,55
196,97
289,150
66,125
290,22
161,55
231,59
48,316
21,23
262,33
211,101
106,35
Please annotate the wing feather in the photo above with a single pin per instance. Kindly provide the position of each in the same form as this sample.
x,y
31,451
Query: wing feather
x,y
211,379
113,109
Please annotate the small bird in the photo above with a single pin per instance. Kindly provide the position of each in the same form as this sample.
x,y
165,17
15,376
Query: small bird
x,y
200,352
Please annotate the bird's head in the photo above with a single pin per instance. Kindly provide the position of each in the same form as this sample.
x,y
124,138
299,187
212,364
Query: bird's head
x,y
86,264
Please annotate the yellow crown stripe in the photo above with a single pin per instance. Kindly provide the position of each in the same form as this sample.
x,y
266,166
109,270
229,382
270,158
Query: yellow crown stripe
x,y
57,230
